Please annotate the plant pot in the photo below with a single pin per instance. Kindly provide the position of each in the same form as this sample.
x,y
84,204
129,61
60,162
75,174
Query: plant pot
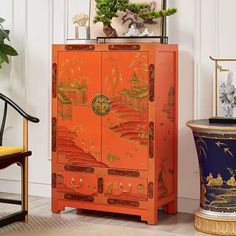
x,y
109,30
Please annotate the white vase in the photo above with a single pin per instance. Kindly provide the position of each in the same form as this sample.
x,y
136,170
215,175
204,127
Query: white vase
x,y
76,32
82,32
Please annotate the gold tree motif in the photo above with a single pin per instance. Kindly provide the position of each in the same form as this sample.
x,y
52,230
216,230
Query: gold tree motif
x,y
71,79
139,65
70,69
114,79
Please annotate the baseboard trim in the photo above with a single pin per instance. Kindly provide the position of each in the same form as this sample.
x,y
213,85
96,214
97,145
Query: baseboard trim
x,y
187,205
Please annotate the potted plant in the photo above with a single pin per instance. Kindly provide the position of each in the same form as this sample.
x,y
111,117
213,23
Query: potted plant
x,y
137,14
5,49
106,10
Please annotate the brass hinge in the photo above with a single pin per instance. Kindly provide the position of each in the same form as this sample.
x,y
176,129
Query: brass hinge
x,y
54,80
151,82
150,190
79,168
78,197
127,173
122,47
82,47
54,134
54,180
151,139
114,201
100,185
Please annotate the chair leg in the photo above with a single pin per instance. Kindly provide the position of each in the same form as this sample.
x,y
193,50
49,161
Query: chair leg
x,y
24,188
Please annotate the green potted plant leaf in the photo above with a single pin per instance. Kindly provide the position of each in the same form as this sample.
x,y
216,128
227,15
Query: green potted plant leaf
x,y
5,49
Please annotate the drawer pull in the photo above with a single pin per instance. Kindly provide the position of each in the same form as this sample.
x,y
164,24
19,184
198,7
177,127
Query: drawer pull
x,y
123,190
73,185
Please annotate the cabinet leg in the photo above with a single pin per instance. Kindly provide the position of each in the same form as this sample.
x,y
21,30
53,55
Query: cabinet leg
x,y
56,208
151,218
56,211
152,221
171,208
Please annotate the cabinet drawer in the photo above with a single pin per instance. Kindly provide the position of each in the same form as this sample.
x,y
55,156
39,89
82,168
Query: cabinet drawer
x,y
78,183
125,188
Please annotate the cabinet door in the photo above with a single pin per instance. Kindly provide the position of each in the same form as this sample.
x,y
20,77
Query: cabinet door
x,y
125,85
79,128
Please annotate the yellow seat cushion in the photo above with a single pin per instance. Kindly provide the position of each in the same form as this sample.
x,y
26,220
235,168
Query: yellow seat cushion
x,y
9,150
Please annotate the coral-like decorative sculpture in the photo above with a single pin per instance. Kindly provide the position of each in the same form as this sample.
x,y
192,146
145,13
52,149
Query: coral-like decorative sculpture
x,y
80,19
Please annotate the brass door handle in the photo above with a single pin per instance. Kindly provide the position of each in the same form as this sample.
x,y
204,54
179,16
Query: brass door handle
x,y
73,185
101,105
123,190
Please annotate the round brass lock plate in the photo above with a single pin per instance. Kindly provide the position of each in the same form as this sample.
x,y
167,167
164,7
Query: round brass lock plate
x,y
101,105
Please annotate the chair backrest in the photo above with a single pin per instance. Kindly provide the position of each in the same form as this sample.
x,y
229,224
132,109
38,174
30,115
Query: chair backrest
x,y
26,116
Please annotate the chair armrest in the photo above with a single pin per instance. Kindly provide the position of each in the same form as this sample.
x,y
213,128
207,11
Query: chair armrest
x,y
18,109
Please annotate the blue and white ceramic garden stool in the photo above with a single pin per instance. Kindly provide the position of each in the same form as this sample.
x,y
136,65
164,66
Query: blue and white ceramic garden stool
x,y
216,149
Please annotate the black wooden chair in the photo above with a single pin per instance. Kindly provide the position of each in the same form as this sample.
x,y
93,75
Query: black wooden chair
x,y
16,155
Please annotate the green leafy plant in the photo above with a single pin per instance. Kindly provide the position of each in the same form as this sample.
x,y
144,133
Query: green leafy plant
x,y
135,13
137,7
5,49
149,16
106,10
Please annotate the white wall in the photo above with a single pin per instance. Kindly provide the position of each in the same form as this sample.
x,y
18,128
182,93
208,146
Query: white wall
x,y
182,31
201,28
27,81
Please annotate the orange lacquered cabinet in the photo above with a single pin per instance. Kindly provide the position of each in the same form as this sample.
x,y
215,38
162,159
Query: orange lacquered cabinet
x,y
114,128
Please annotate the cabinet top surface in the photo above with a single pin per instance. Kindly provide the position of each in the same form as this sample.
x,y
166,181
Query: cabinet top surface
x,y
205,125
111,46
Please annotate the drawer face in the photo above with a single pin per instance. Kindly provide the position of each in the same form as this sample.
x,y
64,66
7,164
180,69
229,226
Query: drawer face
x,y
77,183
125,188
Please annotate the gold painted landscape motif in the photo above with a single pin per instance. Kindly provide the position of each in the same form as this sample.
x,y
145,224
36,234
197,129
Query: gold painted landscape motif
x,y
217,166
131,102
72,87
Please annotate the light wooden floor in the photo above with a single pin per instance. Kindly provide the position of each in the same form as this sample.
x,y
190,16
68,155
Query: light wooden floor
x,y
43,222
